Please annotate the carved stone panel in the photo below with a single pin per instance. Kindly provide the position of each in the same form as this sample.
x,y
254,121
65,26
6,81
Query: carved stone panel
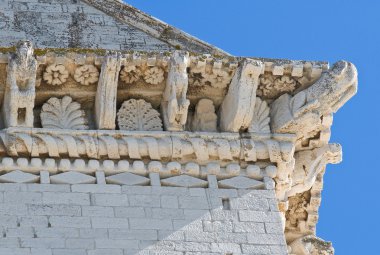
x,y
63,114
138,115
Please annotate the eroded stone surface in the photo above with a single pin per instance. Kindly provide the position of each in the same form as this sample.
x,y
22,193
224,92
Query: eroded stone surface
x,y
72,178
128,179
19,177
184,181
239,123
240,182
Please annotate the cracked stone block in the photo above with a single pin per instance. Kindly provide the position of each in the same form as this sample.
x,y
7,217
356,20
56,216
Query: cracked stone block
x,y
19,177
128,179
184,181
72,178
241,182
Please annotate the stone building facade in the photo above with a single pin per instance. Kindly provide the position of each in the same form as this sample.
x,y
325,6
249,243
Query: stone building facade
x,y
123,135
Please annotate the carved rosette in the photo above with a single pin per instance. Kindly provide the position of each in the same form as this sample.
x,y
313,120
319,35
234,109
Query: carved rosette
x,y
154,75
130,74
272,86
63,114
218,78
138,115
86,75
56,74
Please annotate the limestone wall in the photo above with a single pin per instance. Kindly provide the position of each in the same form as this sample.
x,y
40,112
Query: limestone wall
x,y
115,220
73,24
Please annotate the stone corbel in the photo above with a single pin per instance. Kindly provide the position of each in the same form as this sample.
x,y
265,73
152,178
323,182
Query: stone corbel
x,y
311,245
237,109
309,164
175,104
301,113
105,101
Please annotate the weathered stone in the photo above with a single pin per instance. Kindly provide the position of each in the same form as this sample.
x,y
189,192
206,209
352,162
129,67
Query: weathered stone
x,y
263,154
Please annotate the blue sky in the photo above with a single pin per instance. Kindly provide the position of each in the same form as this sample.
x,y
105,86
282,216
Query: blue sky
x,y
311,30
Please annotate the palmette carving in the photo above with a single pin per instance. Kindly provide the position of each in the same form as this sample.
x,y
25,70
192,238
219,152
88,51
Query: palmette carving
x,y
86,75
20,87
56,74
63,114
261,119
138,115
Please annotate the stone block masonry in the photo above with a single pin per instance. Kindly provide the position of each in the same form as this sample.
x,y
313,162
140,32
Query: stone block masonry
x,y
69,24
79,219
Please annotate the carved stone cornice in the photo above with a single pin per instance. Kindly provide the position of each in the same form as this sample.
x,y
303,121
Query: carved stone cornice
x,y
267,123
182,146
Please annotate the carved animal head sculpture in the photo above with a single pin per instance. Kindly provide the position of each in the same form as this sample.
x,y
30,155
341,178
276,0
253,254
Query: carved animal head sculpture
x,y
24,51
333,153
180,60
335,88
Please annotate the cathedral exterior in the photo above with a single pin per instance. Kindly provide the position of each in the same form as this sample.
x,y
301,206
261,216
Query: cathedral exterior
x,y
121,134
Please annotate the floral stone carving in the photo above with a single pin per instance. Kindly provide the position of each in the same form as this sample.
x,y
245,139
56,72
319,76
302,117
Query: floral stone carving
x,y
218,78
55,74
154,75
86,75
63,114
274,86
138,115
130,74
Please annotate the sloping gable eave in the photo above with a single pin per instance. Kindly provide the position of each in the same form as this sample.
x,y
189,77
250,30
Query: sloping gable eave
x,y
153,26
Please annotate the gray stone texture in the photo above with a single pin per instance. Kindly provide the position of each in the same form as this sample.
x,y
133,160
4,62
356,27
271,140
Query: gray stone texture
x,y
69,24
80,219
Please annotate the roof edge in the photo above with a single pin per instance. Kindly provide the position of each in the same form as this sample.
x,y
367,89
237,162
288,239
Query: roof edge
x,y
154,27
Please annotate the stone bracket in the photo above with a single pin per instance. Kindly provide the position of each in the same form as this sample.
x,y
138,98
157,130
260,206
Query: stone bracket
x,y
237,109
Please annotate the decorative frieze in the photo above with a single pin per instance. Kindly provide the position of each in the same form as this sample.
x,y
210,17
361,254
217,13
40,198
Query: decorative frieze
x,y
202,147
64,171
184,120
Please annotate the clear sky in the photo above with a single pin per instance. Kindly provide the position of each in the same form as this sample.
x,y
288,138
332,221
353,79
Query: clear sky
x,y
311,30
